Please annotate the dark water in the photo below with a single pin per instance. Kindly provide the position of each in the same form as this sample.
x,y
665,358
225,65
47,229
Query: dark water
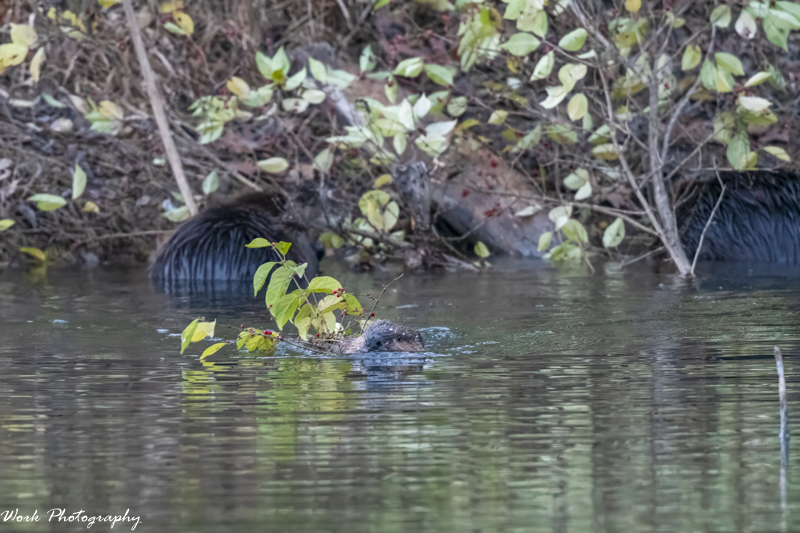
x,y
551,401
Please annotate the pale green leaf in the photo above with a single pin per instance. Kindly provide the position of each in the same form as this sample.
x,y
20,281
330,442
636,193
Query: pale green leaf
x,y
614,234
573,41
78,182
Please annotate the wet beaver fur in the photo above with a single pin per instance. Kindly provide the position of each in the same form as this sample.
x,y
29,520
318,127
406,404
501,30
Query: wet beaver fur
x,y
382,336
211,246
757,220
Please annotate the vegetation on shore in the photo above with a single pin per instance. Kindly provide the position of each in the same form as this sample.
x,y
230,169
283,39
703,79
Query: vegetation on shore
x,y
602,107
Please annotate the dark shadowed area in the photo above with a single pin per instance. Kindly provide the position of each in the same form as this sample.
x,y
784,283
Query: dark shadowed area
x,y
548,401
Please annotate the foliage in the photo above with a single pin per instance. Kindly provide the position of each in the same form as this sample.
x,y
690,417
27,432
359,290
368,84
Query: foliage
x,y
561,83
319,309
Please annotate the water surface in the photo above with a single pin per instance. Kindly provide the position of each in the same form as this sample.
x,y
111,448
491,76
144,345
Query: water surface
x,y
549,401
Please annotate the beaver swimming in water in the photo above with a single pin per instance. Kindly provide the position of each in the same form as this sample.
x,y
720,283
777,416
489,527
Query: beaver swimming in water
x,y
758,218
211,246
382,336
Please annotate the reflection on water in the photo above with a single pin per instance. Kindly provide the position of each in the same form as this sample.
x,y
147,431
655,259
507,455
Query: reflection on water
x,y
549,401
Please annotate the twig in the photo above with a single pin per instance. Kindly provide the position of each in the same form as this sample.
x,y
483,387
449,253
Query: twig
x,y
157,103
643,256
372,311
133,234
783,436
708,223
784,433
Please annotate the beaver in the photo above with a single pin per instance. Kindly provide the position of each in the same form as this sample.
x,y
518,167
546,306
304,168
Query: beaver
x,y
211,246
758,218
382,336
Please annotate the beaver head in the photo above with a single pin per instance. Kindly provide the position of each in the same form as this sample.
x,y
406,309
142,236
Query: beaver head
x,y
383,336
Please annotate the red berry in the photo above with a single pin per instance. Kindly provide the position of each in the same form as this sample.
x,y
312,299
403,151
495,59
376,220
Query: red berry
x,y
373,314
317,334
493,164
241,326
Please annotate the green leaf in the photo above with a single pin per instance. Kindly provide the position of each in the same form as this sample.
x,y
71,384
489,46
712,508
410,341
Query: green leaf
x,y
724,124
562,134
340,78
325,284
34,252
758,79
753,103
353,305
439,74
188,334
324,160
481,250
390,216
775,34
296,80
241,339
273,165
691,57
278,283
174,28
6,223
282,247
724,82
606,152
299,270
258,243
533,18
577,179
52,102
584,192
179,214
498,117
708,75
574,231
793,8
318,70
47,202
577,106
555,95
729,63
409,68
285,308
780,153
261,275
738,148
214,348
544,67
521,44
573,41
560,215
294,105
783,20
544,241
614,234
211,182
78,182
601,135
570,74
457,106
367,60
721,16
313,96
